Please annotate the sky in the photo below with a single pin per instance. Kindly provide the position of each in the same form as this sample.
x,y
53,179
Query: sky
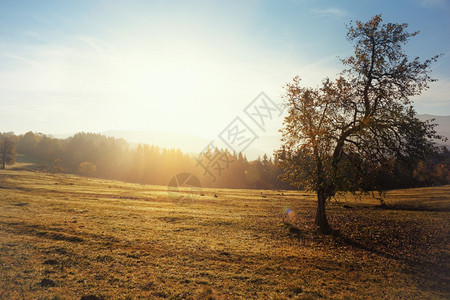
x,y
189,67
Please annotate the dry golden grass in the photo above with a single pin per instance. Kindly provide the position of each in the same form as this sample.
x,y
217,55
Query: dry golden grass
x,y
68,237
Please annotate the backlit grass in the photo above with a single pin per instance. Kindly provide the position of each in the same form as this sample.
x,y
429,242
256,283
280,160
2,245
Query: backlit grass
x,y
65,237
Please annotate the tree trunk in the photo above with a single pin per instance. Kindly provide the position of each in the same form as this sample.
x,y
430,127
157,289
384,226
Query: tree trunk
x,y
321,217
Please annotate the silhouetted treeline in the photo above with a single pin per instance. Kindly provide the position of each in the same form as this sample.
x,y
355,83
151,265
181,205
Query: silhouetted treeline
x,y
96,155
107,157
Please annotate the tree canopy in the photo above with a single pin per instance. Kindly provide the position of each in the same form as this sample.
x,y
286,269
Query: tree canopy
x,y
342,134
7,150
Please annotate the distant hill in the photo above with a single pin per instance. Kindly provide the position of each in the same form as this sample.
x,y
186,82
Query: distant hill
x,y
264,144
443,127
187,143
195,144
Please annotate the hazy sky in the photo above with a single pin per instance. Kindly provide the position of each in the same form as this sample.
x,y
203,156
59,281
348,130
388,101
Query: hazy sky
x,y
185,66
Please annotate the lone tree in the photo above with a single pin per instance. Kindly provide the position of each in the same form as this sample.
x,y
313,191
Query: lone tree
x,y
339,136
7,150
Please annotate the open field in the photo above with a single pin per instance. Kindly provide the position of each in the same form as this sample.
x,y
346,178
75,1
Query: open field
x,y
68,237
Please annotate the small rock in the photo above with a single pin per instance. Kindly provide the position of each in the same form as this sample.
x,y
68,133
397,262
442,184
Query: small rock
x,y
92,297
47,283
297,290
50,262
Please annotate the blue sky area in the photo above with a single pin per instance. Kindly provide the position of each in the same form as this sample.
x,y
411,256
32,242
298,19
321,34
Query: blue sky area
x,y
188,67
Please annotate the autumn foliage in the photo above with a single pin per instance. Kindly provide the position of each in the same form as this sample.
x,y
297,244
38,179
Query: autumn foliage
x,y
351,131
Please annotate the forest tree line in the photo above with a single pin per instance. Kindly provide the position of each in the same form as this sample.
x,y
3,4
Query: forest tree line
x,y
96,155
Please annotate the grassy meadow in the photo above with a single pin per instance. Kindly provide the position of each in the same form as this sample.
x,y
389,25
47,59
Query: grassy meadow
x,y
69,237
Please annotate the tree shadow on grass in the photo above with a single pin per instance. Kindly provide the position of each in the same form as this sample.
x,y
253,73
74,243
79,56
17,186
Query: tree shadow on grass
x,y
294,231
414,207
418,245
342,239
432,275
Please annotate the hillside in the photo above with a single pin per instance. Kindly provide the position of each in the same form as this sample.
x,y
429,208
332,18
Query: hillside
x,y
443,127
266,143
68,237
